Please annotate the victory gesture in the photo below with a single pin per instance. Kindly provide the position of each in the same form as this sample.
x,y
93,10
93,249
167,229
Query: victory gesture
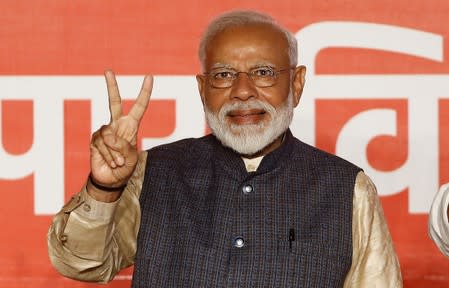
x,y
113,148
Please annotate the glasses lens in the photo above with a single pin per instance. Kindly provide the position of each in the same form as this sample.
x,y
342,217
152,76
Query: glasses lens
x,y
221,78
263,76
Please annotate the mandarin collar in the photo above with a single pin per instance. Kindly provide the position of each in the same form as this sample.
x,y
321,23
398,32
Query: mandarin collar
x,y
232,163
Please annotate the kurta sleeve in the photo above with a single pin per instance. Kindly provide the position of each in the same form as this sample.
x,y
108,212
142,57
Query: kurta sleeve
x,y
374,260
438,221
90,240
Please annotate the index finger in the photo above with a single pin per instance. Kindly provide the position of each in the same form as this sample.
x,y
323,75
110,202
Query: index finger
x,y
143,99
115,102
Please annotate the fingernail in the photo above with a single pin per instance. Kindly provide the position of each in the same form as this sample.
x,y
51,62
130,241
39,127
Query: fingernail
x,y
120,161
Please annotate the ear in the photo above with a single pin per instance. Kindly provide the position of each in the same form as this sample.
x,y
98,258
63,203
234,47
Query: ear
x,y
201,81
298,82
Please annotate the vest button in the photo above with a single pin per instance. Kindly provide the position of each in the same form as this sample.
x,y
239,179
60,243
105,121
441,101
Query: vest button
x,y
86,207
239,242
63,238
247,189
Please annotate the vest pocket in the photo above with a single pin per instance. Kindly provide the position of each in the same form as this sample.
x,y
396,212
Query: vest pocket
x,y
316,265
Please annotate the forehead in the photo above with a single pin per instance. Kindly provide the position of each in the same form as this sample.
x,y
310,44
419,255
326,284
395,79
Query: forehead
x,y
247,45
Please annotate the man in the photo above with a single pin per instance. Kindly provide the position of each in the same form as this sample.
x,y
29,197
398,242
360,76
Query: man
x,y
249,206
438,220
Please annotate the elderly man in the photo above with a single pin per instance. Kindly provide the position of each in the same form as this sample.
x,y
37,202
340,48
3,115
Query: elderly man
x,y
248,206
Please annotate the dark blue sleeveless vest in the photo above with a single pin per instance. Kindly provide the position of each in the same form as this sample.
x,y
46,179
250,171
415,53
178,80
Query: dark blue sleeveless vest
x,y
207,222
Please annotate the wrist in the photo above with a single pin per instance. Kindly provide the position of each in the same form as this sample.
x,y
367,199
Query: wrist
x,y
104,188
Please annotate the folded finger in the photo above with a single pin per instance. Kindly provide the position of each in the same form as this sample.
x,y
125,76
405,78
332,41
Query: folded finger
x,y
105,152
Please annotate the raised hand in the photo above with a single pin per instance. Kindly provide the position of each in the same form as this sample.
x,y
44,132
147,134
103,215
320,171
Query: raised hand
x,y
113,148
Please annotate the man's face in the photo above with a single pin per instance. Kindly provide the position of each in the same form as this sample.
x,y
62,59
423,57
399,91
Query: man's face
x,y
245,112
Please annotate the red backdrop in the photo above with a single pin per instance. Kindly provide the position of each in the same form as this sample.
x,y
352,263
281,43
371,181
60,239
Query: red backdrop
x,y
40,41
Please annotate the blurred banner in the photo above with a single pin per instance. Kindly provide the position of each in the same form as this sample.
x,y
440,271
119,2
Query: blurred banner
x,y
377,94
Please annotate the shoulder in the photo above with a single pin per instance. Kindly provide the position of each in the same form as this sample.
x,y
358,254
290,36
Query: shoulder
x,y
185,149
314,155
365,191
183,145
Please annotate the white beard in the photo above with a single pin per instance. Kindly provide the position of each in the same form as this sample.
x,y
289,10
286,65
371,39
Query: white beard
x,y
248,139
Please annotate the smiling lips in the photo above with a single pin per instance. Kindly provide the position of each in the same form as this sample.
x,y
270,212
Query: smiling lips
x,y
250,116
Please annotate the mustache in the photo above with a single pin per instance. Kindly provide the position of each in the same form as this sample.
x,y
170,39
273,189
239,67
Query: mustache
x,y
247,105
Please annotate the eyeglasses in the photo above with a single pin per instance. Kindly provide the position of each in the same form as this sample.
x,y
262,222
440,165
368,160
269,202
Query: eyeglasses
x,y
261,76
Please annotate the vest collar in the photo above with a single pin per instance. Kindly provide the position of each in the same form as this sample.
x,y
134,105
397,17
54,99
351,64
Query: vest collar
x,y
232,162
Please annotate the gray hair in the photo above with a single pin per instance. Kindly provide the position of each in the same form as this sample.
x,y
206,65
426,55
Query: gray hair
x,y
240,18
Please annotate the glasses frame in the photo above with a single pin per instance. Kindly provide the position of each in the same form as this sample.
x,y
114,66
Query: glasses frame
x,y
248,73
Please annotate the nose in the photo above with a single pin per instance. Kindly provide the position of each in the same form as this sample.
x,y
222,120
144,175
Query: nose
x,y
243,87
